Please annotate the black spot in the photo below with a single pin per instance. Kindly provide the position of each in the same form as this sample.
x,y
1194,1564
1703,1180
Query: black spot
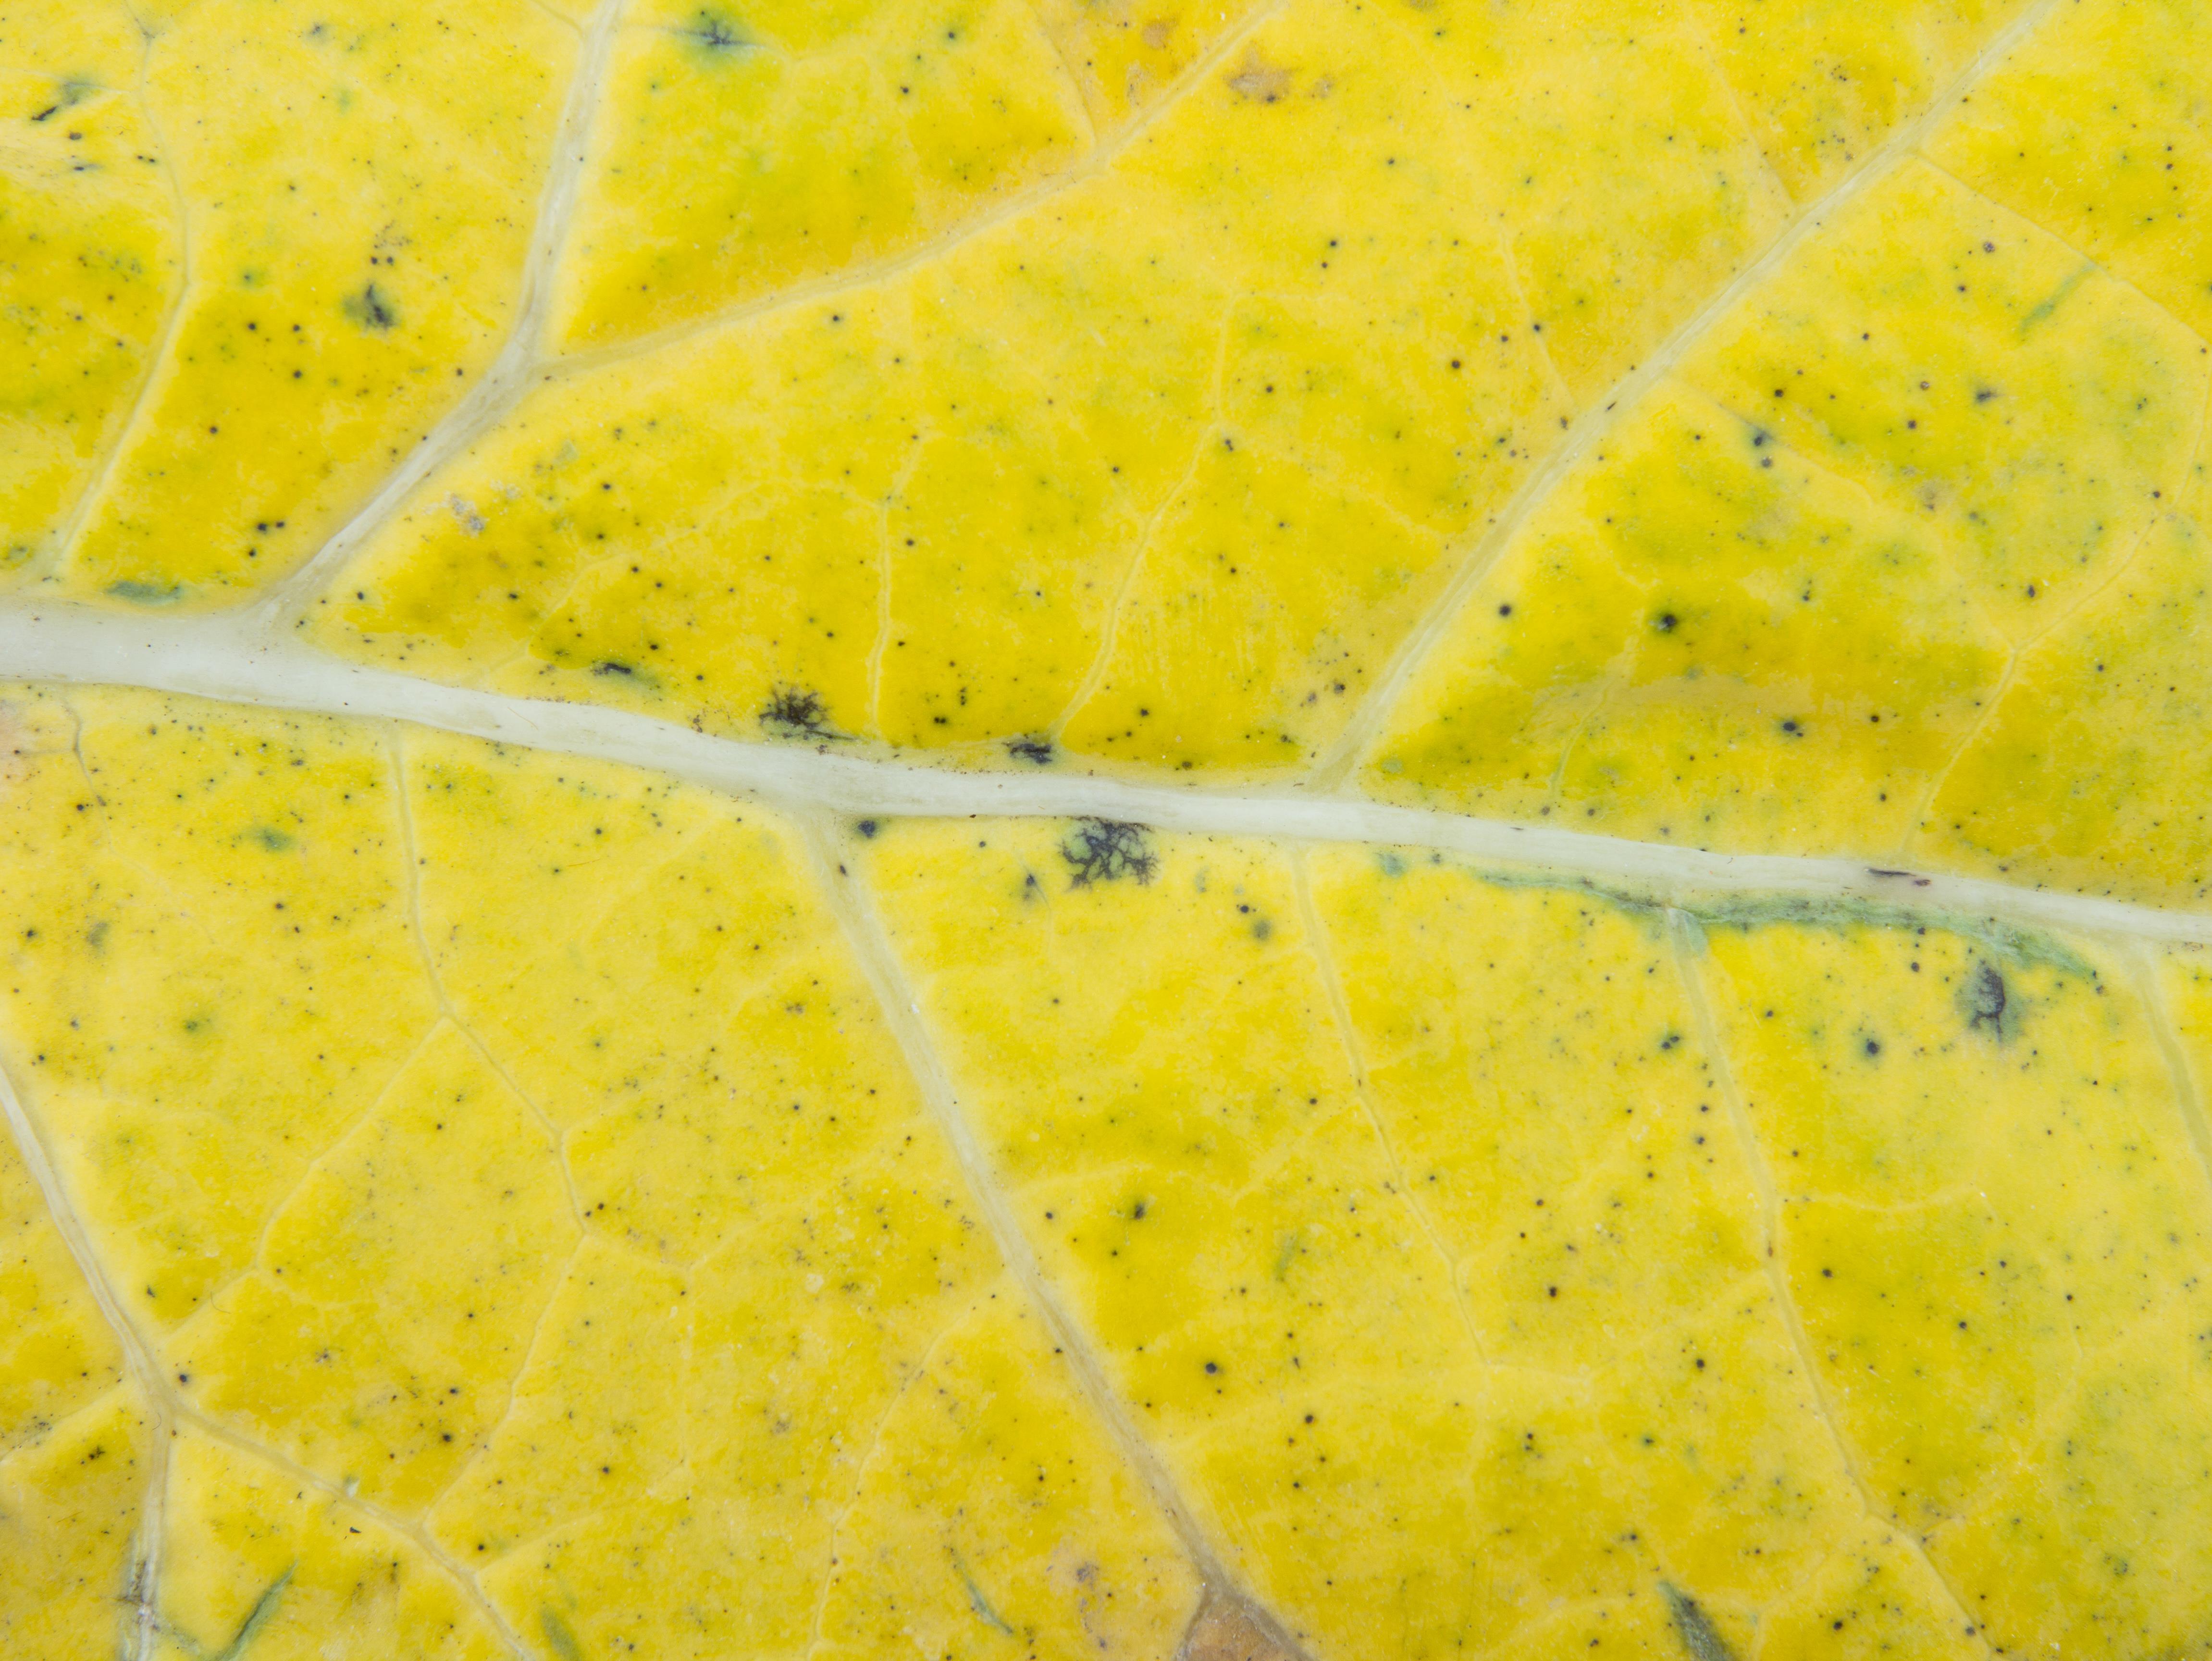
x,y
1665,622
1984,999
1107,850
866,827
1873,1046
1036,749
797,712
612,667
1695,1628
372,309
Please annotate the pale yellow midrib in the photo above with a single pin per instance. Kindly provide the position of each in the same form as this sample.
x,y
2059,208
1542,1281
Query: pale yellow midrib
x,y
289,680
214,657
310,682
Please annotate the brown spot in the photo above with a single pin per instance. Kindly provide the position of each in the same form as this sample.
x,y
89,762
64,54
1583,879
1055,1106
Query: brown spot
x,y
1227,1628
1159,32
1257,78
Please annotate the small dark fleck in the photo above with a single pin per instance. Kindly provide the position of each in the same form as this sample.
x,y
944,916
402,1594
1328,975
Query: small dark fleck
x,y
612,667
1665,622
866,827
1038,751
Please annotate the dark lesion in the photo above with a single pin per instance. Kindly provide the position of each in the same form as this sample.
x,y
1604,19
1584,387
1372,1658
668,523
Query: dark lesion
x,y
716,31
1987,1003
372,309
73,91
796,712
1038,751
1108,850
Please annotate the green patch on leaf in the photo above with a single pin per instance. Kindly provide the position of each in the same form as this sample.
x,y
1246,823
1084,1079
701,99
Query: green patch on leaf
x,y
1698,1634
558,1635
989,1616
146,593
